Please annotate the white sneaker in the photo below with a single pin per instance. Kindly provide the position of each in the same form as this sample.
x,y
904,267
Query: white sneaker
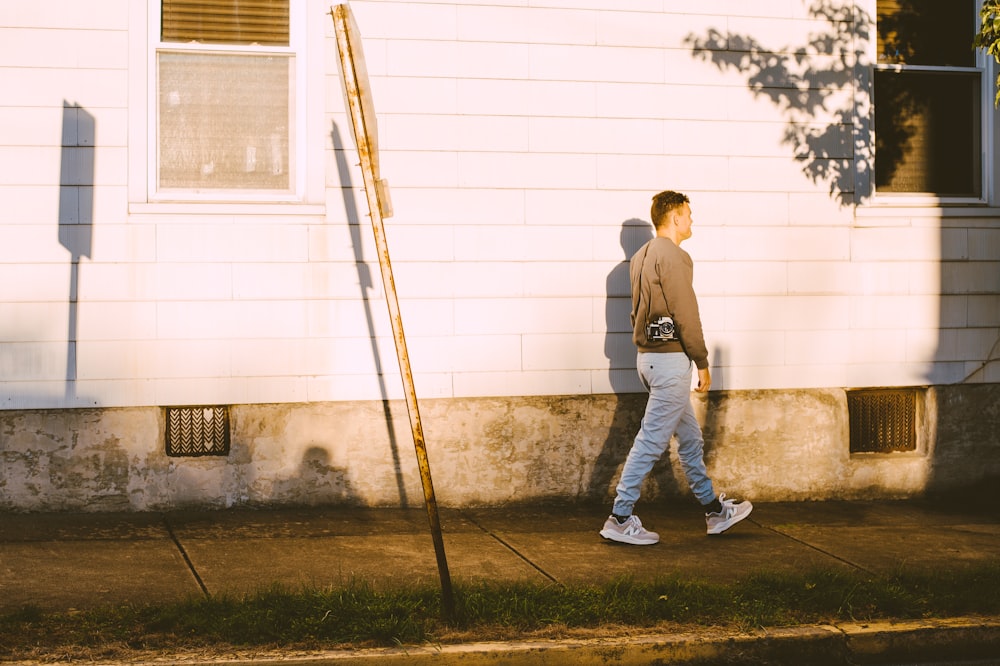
x,y
732,513
631,531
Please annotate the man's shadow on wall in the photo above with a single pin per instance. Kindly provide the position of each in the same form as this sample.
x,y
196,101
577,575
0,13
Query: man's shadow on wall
x,y
628,395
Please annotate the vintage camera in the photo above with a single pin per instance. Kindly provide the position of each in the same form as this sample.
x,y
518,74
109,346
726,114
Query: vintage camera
x,y
661,329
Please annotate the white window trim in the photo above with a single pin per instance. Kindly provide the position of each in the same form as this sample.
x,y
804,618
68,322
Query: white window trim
x,y
306,38
865,191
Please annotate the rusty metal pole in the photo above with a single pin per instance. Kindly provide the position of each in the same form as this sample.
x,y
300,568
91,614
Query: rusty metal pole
x,y
358,97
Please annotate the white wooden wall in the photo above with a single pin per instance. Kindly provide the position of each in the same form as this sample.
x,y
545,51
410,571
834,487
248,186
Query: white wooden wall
x,y
518,139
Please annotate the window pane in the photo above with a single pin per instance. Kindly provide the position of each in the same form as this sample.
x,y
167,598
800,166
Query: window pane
x,y
224,121
927,132
926,32
225,21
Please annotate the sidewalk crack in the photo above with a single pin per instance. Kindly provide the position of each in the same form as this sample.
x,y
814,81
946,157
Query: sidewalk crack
x,y
187,560
511,548
816,548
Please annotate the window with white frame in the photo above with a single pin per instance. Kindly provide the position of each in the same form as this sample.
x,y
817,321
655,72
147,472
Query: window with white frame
x,y
929,97
225,104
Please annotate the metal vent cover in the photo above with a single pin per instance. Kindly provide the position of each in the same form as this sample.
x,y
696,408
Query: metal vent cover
x,y
197,431
882,420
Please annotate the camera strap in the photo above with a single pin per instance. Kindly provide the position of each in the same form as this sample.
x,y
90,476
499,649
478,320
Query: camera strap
x,y
637,287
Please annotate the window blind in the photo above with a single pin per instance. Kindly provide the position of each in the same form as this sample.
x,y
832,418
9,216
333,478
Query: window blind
x,y
262,22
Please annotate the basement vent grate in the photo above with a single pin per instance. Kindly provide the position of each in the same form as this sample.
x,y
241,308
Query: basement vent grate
x,y
197,431
882,420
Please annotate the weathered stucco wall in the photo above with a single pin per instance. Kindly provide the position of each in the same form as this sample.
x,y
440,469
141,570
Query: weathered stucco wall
x,y
766,445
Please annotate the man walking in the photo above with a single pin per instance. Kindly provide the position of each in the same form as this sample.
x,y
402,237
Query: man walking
x,y
666,329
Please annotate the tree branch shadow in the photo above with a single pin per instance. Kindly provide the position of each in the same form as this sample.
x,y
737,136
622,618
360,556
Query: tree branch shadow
x,y
822,89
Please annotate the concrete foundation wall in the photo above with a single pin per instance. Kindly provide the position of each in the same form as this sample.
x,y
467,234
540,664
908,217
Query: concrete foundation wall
x,y
766,445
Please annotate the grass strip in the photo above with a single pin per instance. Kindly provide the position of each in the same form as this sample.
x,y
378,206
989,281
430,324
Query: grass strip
x,y
359,615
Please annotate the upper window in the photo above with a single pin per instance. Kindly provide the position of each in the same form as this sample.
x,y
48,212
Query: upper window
x,y
928,92
225,99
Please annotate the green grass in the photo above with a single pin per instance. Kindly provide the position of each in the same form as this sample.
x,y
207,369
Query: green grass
x,y
359,615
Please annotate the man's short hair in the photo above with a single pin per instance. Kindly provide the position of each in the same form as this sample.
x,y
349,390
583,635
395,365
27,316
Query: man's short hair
x,y
663,203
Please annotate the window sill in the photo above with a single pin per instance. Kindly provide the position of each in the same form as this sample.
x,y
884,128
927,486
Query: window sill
x,y
228,208
886,209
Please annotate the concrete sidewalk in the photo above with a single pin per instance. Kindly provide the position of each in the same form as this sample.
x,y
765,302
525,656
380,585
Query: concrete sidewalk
x,y
75,561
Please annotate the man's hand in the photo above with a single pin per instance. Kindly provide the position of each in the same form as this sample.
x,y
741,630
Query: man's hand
x,y
704,380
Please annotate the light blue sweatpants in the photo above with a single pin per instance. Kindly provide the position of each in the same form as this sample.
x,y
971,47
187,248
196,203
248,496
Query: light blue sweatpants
x,y
667,377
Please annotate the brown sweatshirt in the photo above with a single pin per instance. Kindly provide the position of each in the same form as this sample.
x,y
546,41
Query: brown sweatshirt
x,y
662,276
